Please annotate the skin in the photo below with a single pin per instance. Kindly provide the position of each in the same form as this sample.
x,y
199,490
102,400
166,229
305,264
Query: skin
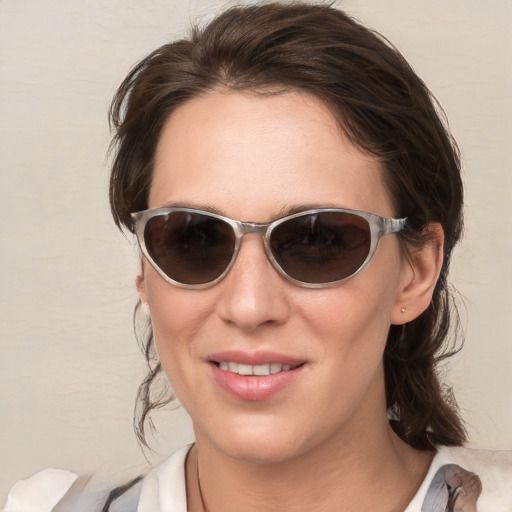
x,y
324,440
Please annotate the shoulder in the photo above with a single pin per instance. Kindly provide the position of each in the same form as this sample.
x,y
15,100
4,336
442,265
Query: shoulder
x,y
494,467
56,490
467,477
164,488
478,456
41,492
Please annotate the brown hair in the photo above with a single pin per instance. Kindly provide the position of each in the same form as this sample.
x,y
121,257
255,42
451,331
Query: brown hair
x,y
381,105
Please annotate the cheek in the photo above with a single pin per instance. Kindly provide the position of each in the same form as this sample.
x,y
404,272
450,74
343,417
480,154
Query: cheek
x,y
352,322
352,371
177,316
352,311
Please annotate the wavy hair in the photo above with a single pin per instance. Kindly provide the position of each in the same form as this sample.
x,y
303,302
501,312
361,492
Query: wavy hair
x,y
380,104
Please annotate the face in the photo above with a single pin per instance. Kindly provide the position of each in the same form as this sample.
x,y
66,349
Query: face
x,y
254,158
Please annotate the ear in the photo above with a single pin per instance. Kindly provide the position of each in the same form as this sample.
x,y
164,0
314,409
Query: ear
x,y
421,269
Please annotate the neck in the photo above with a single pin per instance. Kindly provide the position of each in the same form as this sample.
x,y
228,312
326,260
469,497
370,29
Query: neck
x,y
354,470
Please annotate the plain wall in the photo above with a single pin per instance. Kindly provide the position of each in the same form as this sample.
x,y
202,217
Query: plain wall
x,y
69,365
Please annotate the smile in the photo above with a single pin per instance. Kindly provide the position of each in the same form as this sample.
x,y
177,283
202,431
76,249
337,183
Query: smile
x,y
255,370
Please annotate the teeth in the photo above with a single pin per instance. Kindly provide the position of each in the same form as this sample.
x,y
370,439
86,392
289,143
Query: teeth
x,y
275,367
261,369
245,369
257,369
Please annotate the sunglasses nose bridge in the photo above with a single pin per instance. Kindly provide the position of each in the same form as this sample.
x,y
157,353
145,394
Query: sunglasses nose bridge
x,y
257,228
252,228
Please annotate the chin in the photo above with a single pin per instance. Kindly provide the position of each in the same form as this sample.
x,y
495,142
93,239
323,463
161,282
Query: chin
x,y
262,443
262,452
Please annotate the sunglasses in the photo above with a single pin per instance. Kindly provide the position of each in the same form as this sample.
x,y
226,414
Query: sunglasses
x,y
315,248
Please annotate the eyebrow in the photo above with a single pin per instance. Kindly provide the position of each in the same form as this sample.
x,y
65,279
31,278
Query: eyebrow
x,y
196,206
297,208
284,211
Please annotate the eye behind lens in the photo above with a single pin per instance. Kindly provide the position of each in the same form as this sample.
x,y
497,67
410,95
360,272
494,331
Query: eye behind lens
x,y
188,247
322,247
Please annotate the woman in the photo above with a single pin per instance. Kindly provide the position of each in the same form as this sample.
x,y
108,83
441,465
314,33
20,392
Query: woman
x,y
296,198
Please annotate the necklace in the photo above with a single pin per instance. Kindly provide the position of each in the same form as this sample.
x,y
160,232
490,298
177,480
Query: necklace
x,y
199,489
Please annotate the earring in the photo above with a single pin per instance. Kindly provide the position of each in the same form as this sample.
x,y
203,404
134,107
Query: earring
x,y
403,310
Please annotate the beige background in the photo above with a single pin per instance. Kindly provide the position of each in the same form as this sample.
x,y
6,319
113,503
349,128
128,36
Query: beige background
x,y
69,365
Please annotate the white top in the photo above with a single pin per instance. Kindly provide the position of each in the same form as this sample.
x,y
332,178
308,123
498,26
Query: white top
x,y
477,477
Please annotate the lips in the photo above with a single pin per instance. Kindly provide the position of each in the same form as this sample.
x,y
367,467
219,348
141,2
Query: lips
x,y
254,376
256,369
254,358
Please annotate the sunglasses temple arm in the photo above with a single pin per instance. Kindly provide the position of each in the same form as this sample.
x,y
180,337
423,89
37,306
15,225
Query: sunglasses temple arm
x,y
393,225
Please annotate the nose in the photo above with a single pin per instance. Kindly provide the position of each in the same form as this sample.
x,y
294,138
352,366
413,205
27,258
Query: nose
x,y
253,293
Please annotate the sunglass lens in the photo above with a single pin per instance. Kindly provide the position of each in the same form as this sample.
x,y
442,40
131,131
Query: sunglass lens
x,y
189,247
321,247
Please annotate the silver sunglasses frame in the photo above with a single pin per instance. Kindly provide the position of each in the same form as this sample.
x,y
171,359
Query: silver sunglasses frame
x,y
379,227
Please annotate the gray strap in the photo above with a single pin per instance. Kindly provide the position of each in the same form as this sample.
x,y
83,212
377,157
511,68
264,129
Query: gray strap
x,y
86,496
77,499
452,488
129,500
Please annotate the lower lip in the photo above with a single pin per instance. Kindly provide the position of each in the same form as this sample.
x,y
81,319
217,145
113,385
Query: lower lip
x,y
254,388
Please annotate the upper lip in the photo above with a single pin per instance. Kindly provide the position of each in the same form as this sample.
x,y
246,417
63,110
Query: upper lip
x,y
254,358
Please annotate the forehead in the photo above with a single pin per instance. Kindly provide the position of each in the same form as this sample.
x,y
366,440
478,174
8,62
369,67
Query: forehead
x,y
243,153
